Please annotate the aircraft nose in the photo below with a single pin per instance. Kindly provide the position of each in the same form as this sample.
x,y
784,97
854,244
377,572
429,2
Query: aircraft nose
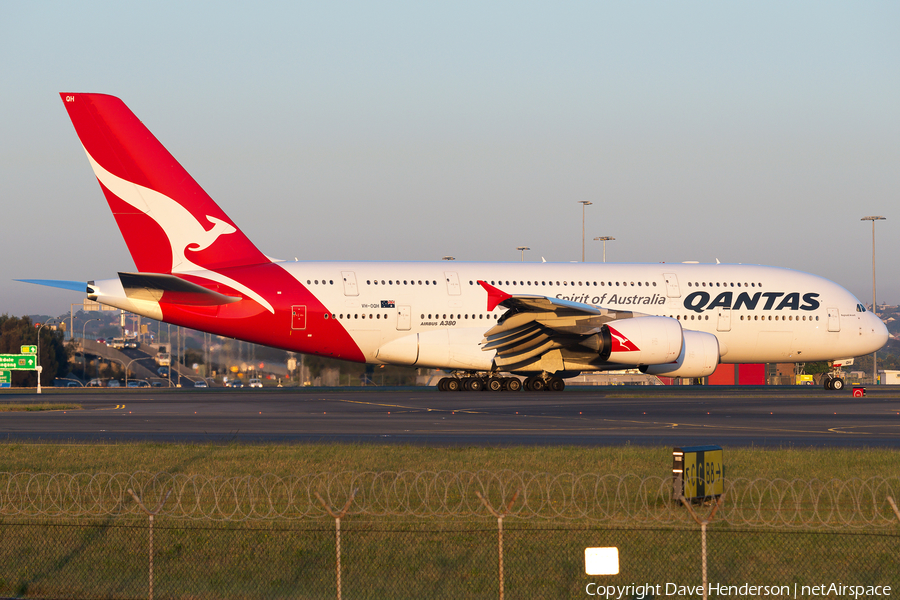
x,y
879,332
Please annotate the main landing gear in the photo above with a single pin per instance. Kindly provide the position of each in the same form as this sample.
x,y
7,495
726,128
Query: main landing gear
x,y
495,383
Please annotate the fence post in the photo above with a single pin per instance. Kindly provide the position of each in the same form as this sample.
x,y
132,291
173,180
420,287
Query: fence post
x,y
151,513
703,525
337,532
499,529
894,506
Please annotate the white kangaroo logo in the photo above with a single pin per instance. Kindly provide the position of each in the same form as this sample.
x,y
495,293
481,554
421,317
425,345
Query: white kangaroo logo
x,y
181,227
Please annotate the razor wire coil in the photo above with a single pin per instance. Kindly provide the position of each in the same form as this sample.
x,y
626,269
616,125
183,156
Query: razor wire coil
x,y
588,497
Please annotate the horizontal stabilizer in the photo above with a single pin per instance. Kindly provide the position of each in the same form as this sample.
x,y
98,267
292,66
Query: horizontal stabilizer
x,y
160,287
75,286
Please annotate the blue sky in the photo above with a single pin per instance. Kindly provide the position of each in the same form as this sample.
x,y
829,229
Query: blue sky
x,y
752,132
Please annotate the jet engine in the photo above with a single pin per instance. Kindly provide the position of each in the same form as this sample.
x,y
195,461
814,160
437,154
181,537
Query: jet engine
x,y
641,341
699,357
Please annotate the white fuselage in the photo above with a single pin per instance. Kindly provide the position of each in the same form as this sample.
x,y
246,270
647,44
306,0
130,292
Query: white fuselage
x,y
758,313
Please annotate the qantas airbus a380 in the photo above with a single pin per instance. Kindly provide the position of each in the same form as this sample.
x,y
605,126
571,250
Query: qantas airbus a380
x,y
546,321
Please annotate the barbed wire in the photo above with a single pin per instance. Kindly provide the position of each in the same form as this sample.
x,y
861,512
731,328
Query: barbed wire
x,y
590,497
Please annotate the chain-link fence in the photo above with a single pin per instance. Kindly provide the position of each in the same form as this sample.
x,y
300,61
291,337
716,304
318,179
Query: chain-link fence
x,y
439,535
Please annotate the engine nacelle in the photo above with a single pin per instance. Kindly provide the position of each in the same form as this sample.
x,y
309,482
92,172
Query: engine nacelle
x,y
442,349
643,341
699,357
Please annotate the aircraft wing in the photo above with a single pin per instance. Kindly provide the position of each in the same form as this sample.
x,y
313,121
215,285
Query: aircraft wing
x,y
536,326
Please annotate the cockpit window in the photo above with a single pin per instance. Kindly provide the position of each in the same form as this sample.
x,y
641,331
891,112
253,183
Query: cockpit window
x,y
860,308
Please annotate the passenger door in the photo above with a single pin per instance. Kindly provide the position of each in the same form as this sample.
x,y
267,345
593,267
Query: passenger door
x,y
350,287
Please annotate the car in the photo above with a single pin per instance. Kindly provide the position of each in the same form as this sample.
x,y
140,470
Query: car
x,y
73,384
163,371
200,384
156,383
95,383
255,383
138,383
113,383
235,384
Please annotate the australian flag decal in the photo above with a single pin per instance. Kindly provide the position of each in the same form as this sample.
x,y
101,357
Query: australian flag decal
x,y
387,304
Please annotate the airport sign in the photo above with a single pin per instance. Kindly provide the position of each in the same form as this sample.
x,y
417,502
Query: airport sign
x,y
5,377
18,362
28,350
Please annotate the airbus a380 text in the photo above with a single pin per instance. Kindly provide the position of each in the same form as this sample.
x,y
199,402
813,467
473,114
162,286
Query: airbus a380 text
x,y
479,321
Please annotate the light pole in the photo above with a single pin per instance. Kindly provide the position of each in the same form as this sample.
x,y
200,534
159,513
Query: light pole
x,y
83,355
37,360
126,367
874,304
604,239
522,249
584,203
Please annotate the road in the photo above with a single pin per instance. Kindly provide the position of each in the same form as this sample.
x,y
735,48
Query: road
x,y
588,416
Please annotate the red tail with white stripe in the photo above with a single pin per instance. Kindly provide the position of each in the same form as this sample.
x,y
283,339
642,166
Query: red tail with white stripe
x,y
169,223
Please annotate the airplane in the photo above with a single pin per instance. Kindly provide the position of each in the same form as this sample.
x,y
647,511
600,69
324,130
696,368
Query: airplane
x,y
482,322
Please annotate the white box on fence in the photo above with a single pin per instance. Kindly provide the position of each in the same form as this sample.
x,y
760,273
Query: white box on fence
x,y
601,561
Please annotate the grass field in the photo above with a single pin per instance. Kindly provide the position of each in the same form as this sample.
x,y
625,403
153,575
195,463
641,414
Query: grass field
x,y
406,557
293,459
37,407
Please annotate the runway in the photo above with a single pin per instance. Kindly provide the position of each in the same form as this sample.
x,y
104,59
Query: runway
x,y
775,416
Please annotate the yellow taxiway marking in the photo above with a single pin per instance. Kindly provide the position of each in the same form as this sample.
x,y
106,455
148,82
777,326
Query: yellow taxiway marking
x,y
118,407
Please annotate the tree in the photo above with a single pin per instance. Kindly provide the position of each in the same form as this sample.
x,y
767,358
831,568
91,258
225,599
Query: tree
x,y
16,332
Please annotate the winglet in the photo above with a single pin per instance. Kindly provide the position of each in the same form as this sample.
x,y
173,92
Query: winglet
x,y
495,296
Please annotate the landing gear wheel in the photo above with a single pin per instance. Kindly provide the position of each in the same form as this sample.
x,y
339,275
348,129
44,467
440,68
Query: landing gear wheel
x,y
556,384
442,385
474,384
538,385
513,384
837,384
828,382
452,384
495,384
